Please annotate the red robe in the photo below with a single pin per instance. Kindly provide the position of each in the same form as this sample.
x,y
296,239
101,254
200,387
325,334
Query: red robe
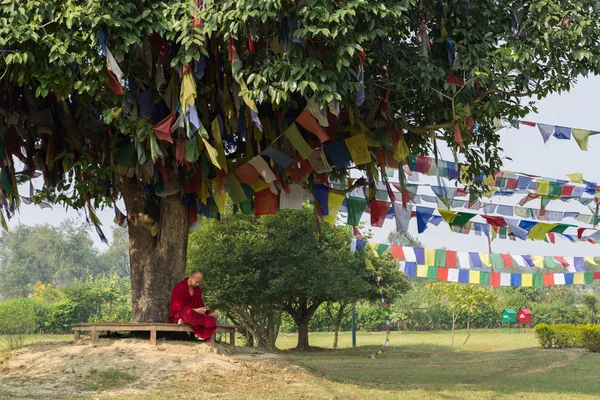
x,y
183,305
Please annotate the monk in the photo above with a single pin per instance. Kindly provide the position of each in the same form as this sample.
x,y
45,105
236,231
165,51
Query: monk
x,y
187,307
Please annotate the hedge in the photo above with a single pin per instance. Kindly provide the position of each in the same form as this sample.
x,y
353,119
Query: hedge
x,y
563,336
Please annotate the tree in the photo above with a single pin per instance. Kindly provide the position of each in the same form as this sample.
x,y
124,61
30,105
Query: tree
x,y
591,302
403,239
393,284
468,299
46,254
91,91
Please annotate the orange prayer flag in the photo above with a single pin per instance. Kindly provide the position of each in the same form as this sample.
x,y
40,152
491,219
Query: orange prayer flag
x,y
246,173
309,123
162,130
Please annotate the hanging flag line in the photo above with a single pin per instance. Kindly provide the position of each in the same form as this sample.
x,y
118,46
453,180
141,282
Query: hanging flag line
x,y
547,131
513,279
506,180
476,260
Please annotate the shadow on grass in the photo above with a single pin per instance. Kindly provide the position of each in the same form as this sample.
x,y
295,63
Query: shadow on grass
x,y
435,368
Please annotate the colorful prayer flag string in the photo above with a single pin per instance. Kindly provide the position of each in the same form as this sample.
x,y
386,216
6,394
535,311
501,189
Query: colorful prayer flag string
x,y
388,324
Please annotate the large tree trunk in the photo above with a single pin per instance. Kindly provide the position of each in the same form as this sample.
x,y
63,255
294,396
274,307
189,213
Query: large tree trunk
x,y
158,237
336,331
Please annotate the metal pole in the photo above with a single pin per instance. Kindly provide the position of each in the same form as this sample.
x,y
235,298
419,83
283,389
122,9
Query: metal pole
x,y
353,325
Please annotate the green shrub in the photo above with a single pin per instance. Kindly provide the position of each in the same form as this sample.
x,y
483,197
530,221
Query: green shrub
x,y
590,335
18,317
544,335
567,336
60,316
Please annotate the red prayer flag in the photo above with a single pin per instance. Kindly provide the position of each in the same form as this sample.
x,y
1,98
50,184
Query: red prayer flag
x,y
114,84
265,202
451,259
548,279
562,261
442,274
299,168
453,80
398,252
494,221
528,123
511,183
567,190
162,130
507,260
247,173
495,279
379,210
180,152
458,136
310,124
552,238
422,164
597,275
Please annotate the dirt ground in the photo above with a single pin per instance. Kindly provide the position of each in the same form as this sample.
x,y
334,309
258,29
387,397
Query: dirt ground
x,y
118,367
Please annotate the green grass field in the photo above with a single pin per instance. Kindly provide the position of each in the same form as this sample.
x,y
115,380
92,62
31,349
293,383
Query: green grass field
x,y
417,365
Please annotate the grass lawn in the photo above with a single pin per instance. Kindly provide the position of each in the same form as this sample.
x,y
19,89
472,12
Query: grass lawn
x,y
417,365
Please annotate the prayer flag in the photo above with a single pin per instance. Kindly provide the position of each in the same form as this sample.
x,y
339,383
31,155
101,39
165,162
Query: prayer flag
x,y
246,173
463,276
515,279
546,131
356,207
474,276
538,280
162,130
318,161
311,125
442,274
397,252
265,202
297,140
335,201
453,275
432,272
484,278
559,279
526,280
562,132
463,259
277,156
420,255
263,168
293,199
357,145
429,256
450,258
338,154
505,278
422,271
548,279
423,217
379,211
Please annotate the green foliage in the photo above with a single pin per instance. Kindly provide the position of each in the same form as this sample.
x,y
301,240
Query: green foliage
x,y
31,257
544,335
590,335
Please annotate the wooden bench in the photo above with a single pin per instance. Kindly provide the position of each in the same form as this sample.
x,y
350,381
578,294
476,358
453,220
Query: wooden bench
x,y
152,327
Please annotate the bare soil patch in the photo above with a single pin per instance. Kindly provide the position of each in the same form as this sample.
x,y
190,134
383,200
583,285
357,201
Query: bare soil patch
x,y
121,367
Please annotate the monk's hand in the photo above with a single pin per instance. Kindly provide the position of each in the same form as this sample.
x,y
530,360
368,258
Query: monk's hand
x,y
215,314
201,310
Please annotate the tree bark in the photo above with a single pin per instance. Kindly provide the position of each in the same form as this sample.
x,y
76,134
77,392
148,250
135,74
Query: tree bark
x,y
468,331
303,337
158,237
336,331
453,325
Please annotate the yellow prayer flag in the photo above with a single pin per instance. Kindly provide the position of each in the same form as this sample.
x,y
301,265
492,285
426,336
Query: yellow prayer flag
x,y
213,154
540,230
429,257
357,146
295,137
578,278
220,198
373,246
259,185
576,177
485,259
369,264
590,260
527,280
204,193
247,100
542,186
474,277
422,271
188,90
538,261
581,137
491,180
335,201
401,150
448,215
216,133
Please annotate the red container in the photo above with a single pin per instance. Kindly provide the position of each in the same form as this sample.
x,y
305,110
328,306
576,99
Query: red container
x,y
524,315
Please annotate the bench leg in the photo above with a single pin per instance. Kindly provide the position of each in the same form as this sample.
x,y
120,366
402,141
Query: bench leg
x,y
232,338
95,335
153,336
77,335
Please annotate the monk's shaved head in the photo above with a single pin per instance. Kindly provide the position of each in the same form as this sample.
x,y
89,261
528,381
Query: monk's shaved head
x,y
195,278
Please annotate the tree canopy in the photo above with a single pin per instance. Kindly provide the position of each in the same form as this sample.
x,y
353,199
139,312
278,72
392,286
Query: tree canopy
x,y
177,105
257,267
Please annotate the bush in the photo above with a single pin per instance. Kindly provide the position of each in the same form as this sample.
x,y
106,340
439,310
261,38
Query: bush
x,y
544,335
590,335
567,336
18,317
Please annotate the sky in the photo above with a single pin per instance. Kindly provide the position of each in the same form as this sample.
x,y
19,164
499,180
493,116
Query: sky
x,y
528,153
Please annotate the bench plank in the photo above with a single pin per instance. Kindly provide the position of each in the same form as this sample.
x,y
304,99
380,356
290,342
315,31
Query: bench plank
x,y
152,327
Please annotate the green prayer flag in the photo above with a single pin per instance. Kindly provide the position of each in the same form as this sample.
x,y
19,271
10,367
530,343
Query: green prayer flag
x,y
549,262
588,277
497,262
5,180
555,189
141,152
381,248
462,218
484,278
295,137
538,280
356,208
247,206
432,272
561,228
191,150
592,133
412,159
502,232
126,155
440,258
234,189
